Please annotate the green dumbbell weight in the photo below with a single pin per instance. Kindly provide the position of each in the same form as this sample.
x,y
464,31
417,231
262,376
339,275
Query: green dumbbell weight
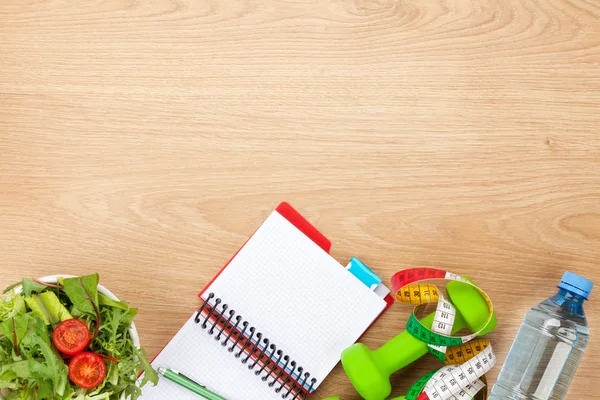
x,y
337,398
369,371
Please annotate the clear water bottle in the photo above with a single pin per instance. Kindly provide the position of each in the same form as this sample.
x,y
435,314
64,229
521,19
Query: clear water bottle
x,y
546,352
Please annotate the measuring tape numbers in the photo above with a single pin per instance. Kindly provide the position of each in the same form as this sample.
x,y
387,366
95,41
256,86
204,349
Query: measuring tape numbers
x,y
467,360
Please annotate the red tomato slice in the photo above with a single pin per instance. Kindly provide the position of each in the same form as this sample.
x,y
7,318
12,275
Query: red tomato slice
x,y
87,370
71,336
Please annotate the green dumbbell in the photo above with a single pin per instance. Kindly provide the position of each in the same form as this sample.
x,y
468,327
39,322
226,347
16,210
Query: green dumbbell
x,y
337,398
369,371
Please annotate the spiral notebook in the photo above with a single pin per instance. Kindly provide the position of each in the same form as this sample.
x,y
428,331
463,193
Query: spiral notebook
x,y
273,322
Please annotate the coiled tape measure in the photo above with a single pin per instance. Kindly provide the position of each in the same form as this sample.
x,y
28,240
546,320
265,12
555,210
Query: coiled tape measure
x,y
466,359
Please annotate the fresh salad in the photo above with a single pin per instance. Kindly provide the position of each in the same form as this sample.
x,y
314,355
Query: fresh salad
x,y
67,341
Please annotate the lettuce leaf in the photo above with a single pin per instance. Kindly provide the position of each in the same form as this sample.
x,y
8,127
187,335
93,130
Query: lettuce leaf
x,y
48,307
11,305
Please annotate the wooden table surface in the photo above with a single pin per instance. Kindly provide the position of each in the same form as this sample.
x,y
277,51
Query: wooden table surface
x,y
146,140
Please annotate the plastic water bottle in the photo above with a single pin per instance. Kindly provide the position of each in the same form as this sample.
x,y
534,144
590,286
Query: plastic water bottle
x,y
546,352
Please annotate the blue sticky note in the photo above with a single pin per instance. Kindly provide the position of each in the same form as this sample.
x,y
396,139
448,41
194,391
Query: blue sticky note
x,y
364,273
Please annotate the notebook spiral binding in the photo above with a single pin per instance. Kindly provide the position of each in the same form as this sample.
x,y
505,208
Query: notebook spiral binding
x,y
239,333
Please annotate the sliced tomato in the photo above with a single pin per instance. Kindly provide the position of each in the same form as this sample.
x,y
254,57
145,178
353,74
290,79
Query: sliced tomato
x,y
71,336
87,370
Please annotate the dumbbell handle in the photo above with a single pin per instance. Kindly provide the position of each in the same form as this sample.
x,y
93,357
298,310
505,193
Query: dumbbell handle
x,y
404,349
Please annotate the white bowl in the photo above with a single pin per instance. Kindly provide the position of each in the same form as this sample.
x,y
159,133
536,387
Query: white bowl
x,y
101,289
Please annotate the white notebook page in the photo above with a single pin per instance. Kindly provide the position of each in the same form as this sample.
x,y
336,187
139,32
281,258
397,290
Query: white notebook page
x,y
293,292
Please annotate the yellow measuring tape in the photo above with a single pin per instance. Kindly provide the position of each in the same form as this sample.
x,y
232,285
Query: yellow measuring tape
x,y
467,359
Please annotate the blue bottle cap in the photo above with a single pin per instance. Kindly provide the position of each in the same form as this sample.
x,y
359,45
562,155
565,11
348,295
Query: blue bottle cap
x,y
576,284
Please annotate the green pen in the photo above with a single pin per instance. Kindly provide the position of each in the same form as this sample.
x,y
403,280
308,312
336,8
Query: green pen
x,y
182,380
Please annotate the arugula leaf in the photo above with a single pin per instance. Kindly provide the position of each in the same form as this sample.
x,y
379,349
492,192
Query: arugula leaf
x,y
25,369
55,364
150,374
129,316
36,324
11,287
42,365
114,340
30,286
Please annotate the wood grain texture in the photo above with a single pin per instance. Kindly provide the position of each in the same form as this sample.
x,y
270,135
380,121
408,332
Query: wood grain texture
x,y
147,139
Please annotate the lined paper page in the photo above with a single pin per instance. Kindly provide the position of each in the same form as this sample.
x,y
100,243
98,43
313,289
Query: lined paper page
x,y
293,292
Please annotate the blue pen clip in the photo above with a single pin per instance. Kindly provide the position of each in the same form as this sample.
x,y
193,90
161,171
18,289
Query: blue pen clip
x,y
364,273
